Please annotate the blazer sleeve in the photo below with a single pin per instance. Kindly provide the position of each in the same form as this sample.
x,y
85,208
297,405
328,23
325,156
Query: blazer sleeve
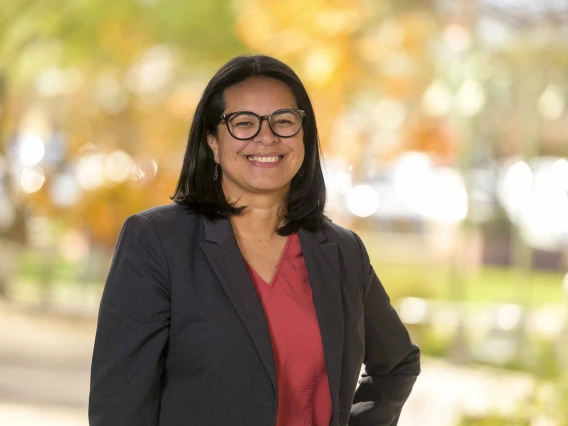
x,y
392,361
132,331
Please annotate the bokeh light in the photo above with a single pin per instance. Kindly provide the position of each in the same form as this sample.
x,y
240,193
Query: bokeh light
x,y
89,171
470,98
413,310
412,175
118,166
153,72
145,169
448,198
544,219
389,114
363,200
437,99
559,174
552,102
75,246
32,150
110,94
458,37
32,179
508,317
65,190
514,188
320,65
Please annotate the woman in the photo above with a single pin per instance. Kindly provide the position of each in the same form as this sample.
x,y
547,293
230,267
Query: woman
x,y
241,303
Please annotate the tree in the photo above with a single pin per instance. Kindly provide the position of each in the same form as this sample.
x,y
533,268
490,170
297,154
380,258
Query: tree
x,y
78,66
350,54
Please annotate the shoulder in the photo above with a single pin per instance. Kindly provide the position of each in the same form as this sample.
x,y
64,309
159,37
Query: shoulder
x,y
165,212
168,222
346,240
350,249
343,237
168,216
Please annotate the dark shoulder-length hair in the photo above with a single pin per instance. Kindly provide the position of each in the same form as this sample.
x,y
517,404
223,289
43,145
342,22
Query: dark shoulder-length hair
x,y
196,188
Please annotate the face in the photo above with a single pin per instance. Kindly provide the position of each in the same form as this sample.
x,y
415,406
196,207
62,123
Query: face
x,y
266,163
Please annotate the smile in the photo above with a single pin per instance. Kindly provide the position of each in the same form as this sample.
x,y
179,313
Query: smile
x,y
273,159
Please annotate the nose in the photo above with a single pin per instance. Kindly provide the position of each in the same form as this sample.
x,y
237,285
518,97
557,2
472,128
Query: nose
x,y
265,135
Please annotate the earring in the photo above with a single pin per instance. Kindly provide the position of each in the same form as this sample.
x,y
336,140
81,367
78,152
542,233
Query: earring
x,y
301,173
216,172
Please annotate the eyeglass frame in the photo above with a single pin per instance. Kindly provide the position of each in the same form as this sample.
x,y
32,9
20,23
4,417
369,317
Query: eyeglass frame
x,y
261,118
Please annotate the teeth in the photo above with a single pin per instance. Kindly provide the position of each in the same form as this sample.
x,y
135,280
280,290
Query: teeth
x,y
265,159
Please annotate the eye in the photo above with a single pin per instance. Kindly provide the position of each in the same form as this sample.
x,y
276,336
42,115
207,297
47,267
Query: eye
x,y
243,120
282,121
242,123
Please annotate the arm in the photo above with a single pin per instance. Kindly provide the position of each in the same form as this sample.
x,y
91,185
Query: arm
x,y
392,362
132,330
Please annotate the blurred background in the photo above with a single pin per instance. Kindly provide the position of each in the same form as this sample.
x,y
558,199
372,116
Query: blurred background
x,y
444,126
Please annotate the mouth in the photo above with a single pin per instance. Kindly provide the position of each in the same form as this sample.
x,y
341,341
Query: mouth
x,y
265,159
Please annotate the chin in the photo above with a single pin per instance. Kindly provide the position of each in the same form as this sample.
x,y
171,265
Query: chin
x,y
268,188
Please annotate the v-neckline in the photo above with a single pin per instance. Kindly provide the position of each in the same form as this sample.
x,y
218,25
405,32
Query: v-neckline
x,y
278,267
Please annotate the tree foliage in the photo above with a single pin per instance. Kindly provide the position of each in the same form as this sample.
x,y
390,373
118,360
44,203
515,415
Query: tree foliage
x,y
90,72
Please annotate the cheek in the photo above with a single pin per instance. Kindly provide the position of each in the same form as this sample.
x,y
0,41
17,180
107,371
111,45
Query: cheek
x,y
301,149
230,152
301,145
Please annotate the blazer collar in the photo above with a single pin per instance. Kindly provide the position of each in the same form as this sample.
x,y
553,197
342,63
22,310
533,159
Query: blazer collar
x,y
322,262
218,230
224,255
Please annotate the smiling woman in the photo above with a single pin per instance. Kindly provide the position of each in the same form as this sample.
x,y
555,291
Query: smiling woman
x,y
243,94
254,158
241,303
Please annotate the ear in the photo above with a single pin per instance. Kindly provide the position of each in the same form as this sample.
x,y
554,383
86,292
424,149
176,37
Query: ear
x,y
214,145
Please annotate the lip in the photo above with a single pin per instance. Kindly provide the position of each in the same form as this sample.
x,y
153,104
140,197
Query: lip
x,y
265,154
265,165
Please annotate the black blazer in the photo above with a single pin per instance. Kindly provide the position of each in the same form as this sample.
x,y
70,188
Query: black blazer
x,y
182,339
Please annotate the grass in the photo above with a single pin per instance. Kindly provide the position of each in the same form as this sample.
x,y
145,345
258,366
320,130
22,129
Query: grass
x,y
490,284
432,281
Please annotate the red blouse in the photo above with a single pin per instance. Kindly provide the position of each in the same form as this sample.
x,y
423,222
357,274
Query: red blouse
x,y
303,388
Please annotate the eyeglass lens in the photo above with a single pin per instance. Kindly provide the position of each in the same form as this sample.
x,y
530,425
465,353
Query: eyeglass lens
x,y
283,123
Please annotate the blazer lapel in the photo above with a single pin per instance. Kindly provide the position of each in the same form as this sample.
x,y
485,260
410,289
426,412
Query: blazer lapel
x,y
323,269
224,255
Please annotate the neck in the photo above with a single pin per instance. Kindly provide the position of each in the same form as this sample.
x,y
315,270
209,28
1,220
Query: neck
x,y
260,218
264,212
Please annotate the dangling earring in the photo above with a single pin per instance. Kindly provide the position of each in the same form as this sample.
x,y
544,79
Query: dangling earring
x,y
301,173
216,172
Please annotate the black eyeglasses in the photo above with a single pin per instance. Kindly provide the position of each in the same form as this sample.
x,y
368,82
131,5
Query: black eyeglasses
x,y
243,125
